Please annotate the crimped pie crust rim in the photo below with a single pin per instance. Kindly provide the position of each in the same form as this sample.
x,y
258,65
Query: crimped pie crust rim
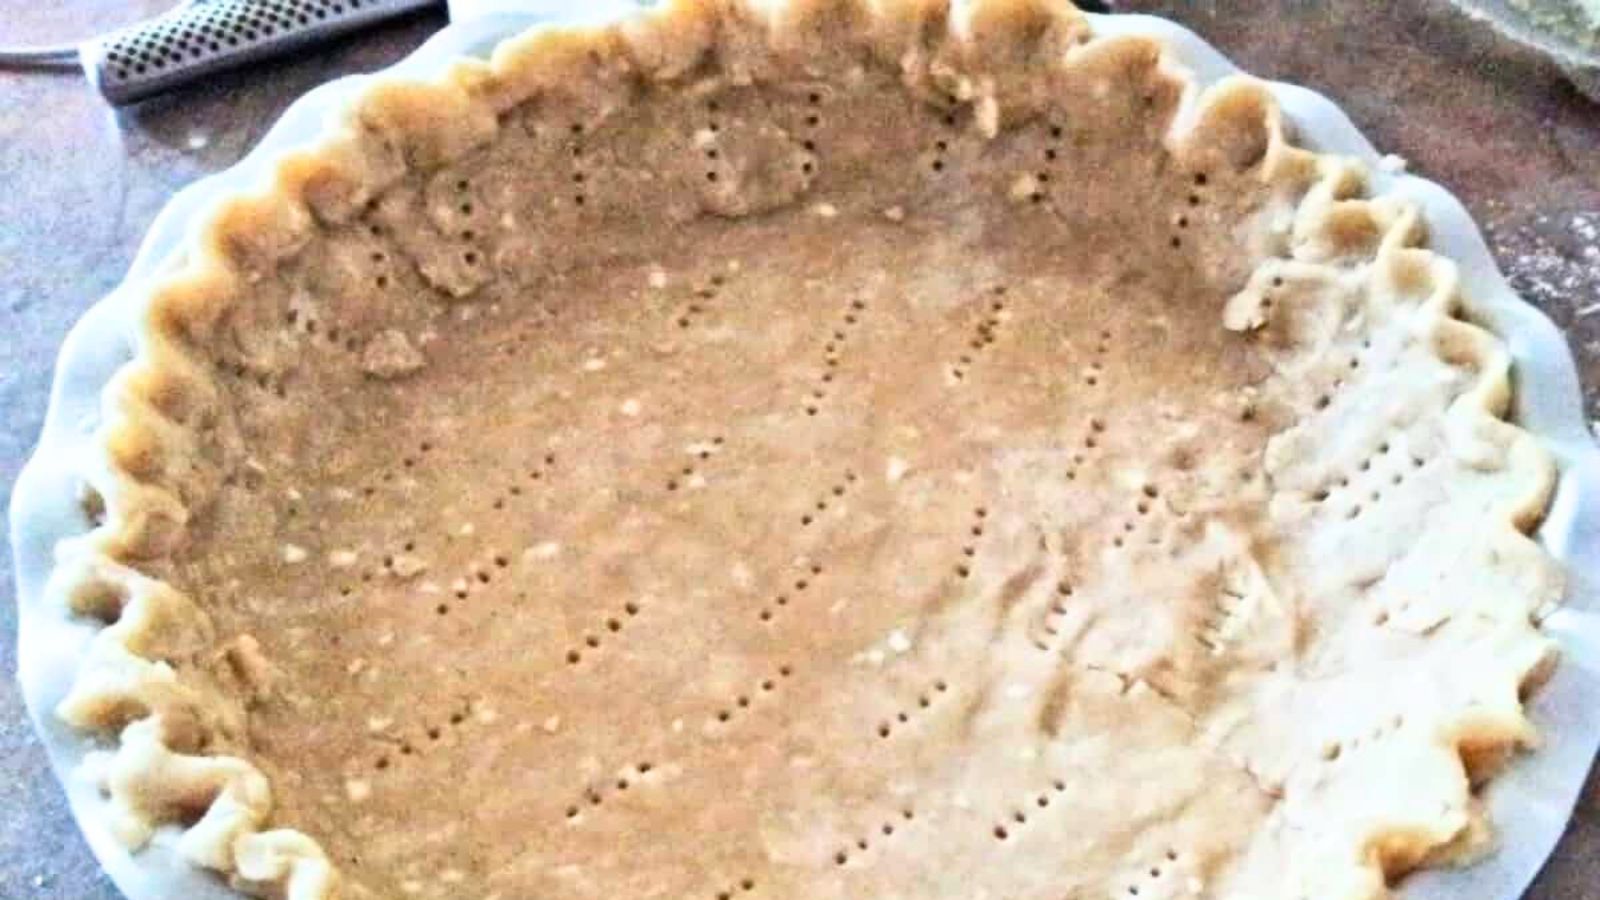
x,y
284,861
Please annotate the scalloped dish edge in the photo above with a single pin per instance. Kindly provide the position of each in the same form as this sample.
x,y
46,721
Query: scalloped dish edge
x,y
141,452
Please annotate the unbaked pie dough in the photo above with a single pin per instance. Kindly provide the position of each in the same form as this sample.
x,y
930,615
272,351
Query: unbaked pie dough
x,y
811,452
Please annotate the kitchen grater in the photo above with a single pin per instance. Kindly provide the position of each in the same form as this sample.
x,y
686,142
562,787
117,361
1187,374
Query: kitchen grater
x,y
199,39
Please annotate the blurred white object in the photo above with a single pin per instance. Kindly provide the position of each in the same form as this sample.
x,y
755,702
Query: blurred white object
x,y
1591,8
1566,30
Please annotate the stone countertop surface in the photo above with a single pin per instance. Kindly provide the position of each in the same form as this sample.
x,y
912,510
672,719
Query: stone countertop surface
x,y
1496,123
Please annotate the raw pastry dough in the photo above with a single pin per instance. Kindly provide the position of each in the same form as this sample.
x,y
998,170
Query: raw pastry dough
x,y
822,451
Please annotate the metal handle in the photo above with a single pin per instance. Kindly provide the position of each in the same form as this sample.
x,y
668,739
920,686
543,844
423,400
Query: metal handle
x,y
200,39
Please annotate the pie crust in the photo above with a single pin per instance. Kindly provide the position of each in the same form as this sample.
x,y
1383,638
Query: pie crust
x,y
824,450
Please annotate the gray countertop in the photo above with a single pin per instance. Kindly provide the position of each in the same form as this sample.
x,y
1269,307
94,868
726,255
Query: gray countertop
x,y
1493,122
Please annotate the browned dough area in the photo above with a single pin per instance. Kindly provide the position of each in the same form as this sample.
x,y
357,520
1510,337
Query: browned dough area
x,y
793,550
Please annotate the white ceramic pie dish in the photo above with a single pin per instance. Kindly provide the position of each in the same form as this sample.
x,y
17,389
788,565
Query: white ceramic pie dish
x,y
1529,804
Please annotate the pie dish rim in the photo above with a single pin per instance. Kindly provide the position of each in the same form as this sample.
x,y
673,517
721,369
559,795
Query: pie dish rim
x,y
1540,789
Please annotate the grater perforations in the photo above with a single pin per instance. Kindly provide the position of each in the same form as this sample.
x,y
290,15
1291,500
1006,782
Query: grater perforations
x,y
200,38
